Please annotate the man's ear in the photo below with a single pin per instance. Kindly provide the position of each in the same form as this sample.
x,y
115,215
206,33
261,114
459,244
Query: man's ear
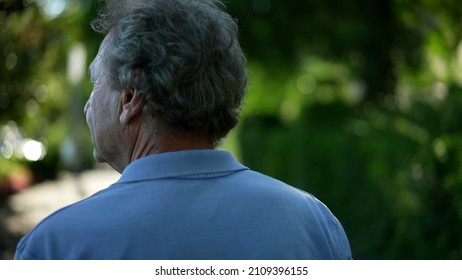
x,y
131,105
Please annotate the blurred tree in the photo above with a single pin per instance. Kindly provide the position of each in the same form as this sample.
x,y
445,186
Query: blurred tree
x,y
36,95
372,37
358,103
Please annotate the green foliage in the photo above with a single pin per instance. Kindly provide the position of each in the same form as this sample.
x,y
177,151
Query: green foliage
x,y
364,113
391,179
37,99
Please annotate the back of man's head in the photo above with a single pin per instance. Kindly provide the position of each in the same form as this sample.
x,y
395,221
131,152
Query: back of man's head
x,y
183,56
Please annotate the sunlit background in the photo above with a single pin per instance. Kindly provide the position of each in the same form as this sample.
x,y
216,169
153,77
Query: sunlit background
x,y
357,102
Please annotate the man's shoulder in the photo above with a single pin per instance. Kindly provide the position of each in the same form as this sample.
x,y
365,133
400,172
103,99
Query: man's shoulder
x,y
277,195
35,244
55,230
267,185
58,220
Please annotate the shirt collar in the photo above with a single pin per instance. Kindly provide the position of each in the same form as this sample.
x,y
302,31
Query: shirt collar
x,y
182,164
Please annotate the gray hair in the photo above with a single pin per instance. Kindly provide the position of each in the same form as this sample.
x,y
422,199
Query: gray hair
x,y
183,56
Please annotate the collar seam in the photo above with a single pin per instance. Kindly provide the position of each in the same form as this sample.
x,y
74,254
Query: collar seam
x,y
205,175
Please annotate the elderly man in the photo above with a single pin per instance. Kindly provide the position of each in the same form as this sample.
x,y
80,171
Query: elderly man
x,y
168,81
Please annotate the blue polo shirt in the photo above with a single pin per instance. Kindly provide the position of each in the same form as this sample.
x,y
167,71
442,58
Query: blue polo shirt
x,y
198,204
